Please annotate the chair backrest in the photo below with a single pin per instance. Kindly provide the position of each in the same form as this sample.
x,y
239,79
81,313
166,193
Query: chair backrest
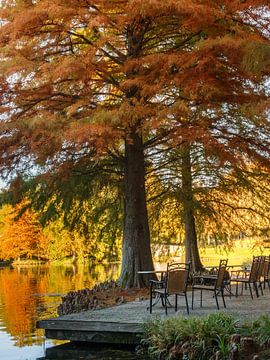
x,y
254,269
170,267
177,278
221,273
266,267
260,267
175,266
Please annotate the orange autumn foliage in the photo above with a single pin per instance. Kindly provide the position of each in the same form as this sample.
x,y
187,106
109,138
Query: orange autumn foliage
x,y
21,235
79,75
86,80
19,309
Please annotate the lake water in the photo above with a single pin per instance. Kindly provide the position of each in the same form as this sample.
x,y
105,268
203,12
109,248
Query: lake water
x,y
28,294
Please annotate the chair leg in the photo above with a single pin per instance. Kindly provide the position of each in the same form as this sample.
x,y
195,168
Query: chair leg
x,y
236,291
175,302
223,299
250,289
192,298
151,300
165,301
162,300
187,303
260,283
256,289
201,299
215,294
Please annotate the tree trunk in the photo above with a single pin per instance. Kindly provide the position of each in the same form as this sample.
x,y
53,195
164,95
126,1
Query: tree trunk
x,y
191,242
136,251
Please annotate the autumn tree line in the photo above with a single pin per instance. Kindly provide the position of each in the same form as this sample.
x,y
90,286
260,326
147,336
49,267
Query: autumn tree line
x,y
147,117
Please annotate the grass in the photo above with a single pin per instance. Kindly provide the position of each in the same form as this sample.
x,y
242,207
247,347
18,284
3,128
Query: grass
x,y
240,252
236,255
200,338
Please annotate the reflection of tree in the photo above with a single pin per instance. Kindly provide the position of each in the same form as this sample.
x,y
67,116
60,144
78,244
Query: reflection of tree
x,y
24,293
19,310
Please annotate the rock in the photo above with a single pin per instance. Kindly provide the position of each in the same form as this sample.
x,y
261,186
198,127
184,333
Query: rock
x,y
120,300
235,339
85,299
247,346
234,352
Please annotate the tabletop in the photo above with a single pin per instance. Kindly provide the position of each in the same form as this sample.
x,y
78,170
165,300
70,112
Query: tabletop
x,y
145,272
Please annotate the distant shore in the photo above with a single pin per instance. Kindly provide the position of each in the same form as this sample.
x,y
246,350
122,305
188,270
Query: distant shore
x,y
5,263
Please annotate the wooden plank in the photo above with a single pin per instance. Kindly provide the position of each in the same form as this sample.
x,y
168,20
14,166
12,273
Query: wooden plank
x,y
94,326
94,337
84,350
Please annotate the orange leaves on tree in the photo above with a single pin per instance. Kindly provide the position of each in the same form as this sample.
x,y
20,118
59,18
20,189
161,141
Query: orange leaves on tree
x,y
76,59
22,235
109,78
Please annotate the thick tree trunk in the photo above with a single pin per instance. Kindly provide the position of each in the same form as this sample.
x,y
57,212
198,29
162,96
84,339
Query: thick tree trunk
x,y
136,251
191,242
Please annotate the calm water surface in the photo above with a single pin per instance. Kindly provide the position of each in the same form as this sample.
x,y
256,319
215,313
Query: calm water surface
x,y
28,294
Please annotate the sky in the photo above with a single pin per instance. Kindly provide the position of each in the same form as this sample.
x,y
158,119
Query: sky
x,y
2,184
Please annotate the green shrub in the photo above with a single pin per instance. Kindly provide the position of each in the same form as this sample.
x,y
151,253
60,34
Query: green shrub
x,y
199,338
202,337
259,330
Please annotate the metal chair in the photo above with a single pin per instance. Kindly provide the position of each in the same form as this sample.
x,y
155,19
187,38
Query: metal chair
x,y
266,271
175,283
217,286
260,272
250,277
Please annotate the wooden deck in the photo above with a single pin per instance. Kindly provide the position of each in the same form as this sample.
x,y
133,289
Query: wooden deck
x,y
117,325
123,324
92,331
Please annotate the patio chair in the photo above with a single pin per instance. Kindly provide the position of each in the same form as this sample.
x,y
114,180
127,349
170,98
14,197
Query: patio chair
x,y
262,260
217,281
266,271
250,277
160,284
175,283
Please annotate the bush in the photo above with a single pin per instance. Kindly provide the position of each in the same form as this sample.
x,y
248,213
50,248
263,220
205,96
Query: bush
x,y
197,338
201,338
259,330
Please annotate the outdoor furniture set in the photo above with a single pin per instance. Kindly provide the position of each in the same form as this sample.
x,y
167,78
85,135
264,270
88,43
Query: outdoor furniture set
x,y
178,279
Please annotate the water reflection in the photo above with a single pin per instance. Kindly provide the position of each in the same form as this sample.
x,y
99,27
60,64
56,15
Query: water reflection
x,y
74,351
28,294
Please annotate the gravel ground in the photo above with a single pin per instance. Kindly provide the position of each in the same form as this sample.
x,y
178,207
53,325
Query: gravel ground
x,y
242,307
